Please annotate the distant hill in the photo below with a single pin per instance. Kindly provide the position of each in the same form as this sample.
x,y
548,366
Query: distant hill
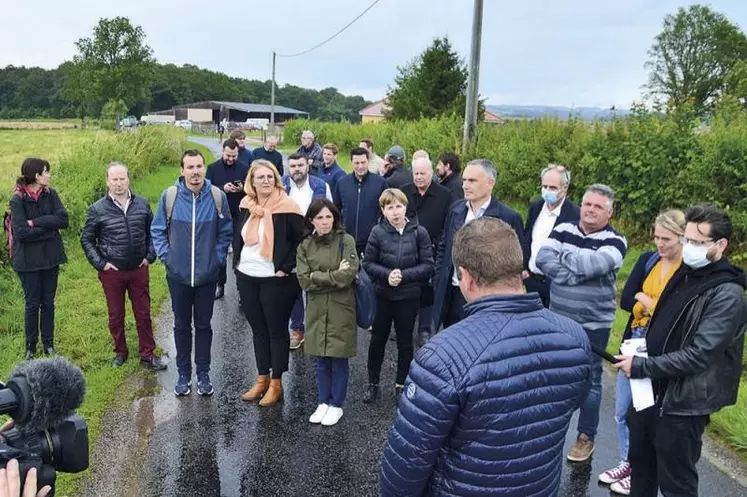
x,y
534,111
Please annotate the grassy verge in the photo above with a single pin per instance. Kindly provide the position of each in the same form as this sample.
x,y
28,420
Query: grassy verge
x,y
81,331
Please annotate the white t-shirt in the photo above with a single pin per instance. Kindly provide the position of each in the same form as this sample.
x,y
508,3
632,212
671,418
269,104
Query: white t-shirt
x,y
304,195
250,262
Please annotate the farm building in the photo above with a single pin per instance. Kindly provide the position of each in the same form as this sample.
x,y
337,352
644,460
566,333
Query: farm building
x,y
216,111
374,113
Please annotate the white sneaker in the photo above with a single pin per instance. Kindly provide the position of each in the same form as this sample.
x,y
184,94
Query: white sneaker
x,y
318,415
332,416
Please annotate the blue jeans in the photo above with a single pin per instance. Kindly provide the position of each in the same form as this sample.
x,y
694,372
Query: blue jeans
x,y
623,402
297,314
187,301
332,380
588,418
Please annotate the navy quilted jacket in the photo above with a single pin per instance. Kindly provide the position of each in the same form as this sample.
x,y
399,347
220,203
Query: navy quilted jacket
x,y
487,404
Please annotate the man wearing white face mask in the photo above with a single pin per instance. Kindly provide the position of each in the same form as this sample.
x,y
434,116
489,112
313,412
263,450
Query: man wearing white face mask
x,y
545,214
694,343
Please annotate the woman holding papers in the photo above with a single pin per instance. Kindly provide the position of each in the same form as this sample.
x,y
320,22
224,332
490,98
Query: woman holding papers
x,y
650,275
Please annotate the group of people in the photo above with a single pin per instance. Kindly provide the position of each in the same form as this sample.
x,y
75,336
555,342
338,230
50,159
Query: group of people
x,y
509,313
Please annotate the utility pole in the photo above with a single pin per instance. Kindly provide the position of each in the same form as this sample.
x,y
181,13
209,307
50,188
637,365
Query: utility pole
x,y
272,97
473,78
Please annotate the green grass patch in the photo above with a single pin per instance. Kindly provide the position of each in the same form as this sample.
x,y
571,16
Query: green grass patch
x,y
81,325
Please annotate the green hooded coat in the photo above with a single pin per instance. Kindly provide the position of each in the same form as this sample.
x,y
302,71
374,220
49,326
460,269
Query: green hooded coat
x,y
331,329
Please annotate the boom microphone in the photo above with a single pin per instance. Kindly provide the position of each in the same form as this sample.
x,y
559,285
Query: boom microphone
x,y
42,393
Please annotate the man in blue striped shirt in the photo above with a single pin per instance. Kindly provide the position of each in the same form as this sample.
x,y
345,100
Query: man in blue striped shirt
x,y
581,260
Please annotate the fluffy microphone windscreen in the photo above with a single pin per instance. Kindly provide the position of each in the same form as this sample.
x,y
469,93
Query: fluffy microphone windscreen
x,y
57,388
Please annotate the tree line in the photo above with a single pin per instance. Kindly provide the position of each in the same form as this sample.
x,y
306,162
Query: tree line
x,y
116,67
698,59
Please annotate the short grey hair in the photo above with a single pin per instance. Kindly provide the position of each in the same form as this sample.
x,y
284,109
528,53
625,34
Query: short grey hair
x,y
271,137
487,165
420,153
424,160
603,190
307,132
114,164
565,174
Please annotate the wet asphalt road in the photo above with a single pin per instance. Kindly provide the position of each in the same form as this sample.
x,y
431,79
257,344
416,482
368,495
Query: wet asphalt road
x,y
221,446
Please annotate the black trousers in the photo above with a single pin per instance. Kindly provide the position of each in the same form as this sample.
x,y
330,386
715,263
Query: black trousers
x,y
267,304
454,306
222,275
39,289
540,284
663,453
403,313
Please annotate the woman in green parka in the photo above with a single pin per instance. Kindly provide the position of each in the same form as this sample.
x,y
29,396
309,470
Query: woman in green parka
x,y
327,264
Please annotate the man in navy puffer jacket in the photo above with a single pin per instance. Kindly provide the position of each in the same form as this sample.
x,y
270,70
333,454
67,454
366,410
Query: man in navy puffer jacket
x,y
488,401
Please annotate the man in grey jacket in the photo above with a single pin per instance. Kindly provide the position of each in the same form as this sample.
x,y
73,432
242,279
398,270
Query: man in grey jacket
x,y
313,152
694,346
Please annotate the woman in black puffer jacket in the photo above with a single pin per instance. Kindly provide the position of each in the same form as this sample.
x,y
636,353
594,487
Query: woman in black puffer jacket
x,y
399,259
37,216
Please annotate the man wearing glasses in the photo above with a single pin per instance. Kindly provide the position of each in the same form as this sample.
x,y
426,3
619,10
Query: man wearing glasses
x,y
581,260
694,345
544,214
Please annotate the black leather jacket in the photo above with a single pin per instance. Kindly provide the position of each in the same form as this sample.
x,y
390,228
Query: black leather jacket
x,y
702,372
122,240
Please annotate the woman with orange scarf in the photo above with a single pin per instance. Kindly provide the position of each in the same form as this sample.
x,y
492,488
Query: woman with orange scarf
x,y
266,234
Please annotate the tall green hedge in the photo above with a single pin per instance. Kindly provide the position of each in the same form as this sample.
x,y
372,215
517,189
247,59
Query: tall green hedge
x,y
654,161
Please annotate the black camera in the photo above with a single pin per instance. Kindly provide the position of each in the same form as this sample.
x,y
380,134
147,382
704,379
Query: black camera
x,y
64,448
41,396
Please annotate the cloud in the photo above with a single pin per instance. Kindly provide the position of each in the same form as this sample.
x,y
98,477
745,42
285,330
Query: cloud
x,y
576,52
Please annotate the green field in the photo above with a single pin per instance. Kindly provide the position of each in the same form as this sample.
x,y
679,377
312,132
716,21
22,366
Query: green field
x,y
81,331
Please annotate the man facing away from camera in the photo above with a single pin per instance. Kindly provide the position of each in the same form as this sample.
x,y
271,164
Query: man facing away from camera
x,y
488,401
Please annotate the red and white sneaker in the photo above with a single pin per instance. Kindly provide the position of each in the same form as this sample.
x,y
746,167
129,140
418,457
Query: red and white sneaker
x,y
620,472
621,487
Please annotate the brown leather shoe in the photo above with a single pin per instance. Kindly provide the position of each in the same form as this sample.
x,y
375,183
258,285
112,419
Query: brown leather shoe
x,y
261,384
274,393
582,449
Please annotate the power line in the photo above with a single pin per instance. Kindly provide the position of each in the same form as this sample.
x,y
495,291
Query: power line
x,y
333,36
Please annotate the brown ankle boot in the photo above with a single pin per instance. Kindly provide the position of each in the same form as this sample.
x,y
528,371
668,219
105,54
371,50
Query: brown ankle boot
x,y
274,393
261,384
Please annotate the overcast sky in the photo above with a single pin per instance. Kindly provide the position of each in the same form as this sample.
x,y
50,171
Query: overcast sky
x,y
569,52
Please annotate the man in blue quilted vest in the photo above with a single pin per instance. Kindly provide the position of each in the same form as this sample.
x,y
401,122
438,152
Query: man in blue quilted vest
x,y
488,401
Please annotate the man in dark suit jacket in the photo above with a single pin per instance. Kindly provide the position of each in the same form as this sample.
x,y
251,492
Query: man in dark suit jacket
x,y
478,179
544,214
228,173
429,203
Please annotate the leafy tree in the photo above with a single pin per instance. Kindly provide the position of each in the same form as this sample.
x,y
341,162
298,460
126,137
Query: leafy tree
x,y
113,65
433,84
691,57
736,81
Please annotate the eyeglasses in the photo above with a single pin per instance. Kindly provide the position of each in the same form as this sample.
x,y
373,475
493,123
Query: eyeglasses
x,y
697,243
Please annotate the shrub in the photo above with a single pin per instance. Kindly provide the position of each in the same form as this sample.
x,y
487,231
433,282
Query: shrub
x,y
652,160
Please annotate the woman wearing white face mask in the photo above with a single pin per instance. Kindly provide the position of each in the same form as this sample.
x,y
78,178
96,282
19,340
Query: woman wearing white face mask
x,y
650,275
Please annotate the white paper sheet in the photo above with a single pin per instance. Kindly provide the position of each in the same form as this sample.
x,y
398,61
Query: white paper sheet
x,y
641,388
